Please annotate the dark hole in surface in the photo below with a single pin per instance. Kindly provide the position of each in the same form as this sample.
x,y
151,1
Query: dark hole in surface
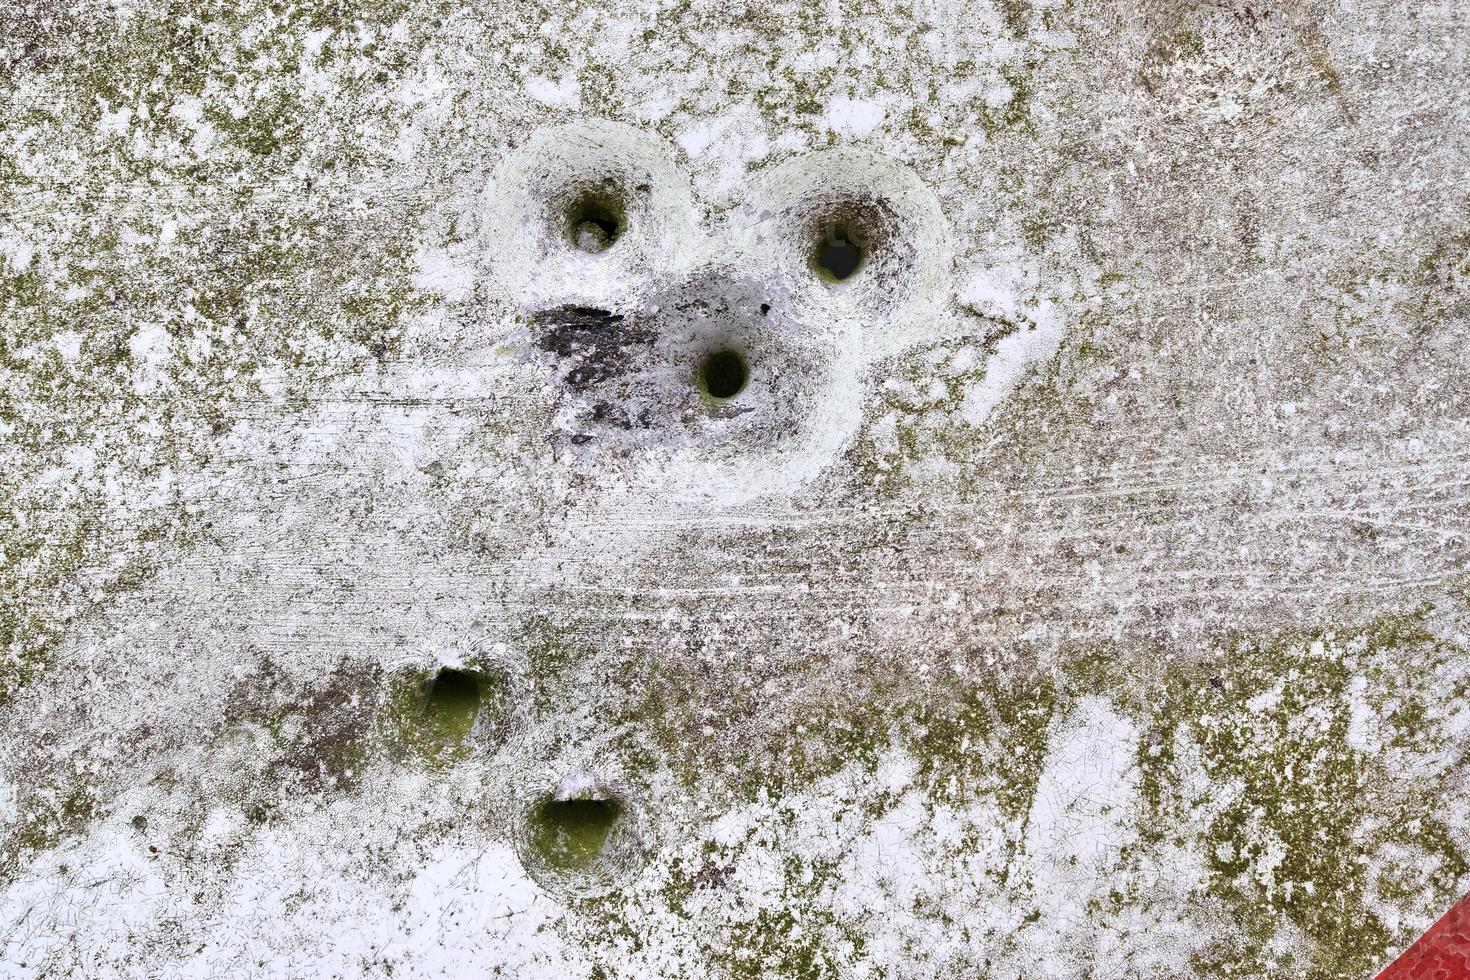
x,y
570,834
723,374
595,221
840,253
453,702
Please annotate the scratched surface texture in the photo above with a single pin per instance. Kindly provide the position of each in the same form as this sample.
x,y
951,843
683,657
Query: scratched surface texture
x,y
1077,589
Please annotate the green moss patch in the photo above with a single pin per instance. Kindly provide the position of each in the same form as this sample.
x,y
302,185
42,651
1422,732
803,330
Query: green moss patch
x,y
570,835
452,703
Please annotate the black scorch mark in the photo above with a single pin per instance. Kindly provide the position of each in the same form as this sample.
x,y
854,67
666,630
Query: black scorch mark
x,y
593,344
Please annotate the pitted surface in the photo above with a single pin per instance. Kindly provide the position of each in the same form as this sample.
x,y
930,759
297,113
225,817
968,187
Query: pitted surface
x,y
1083,591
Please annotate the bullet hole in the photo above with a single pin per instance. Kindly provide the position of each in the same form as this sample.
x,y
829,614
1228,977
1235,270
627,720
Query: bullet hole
x,y
723,374
595,221
140,823
839,252
571,834
453,703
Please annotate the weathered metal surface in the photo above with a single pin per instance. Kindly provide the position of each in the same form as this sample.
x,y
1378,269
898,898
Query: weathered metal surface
x,y
899,490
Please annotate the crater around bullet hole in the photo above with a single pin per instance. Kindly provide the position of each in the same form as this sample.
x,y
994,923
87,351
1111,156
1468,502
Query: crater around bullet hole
x,y
839,252
595,221
571,834
723,374
453,703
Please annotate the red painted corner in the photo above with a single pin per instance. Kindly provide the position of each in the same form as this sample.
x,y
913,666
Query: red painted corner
x,y
1442,953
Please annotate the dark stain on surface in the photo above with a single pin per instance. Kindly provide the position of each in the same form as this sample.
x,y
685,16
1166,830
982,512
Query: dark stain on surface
x,y
594,343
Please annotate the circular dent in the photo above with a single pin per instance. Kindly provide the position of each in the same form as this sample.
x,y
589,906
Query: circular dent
x,y
442,711
579,839
595,219
665,412
586,213
571,834
723,375
452,701
840,250
855,244
850,235
706,363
